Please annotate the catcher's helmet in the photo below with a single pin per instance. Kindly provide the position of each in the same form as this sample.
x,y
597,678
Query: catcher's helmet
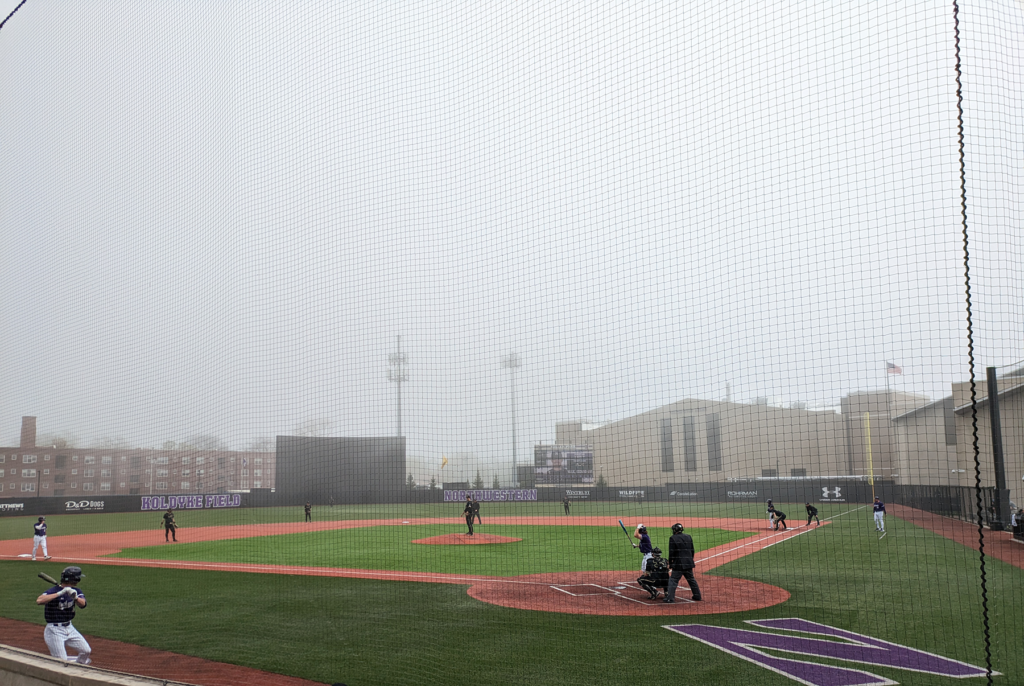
x,y
677,528
656,551
71,575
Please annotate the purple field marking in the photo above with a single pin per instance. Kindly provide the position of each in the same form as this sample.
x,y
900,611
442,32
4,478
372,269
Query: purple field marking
x,y
744,643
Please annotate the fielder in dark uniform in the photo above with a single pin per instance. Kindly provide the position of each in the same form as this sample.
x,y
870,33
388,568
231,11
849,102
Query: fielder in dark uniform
x,y
476,511
170,527
309,512
680,562
39,538
59,609
780,519
468,512
565,504
812,513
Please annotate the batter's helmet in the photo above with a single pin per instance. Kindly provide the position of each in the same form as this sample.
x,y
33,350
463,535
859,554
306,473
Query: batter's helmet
x,y
42,519
677,528
642,529
71,575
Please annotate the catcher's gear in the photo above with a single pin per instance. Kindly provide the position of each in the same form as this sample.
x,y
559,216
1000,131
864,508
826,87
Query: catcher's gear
x,y
656,551
677,528
71,575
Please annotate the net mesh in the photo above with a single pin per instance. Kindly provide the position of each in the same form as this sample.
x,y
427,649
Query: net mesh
x,y
306,276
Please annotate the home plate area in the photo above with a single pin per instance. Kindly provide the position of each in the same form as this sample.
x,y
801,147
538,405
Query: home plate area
x,y
615,593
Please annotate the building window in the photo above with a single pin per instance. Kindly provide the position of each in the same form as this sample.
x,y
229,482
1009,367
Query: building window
x,y
1,473
107,459
3,458
200,472
89,486
46,457
257,484
61,462
257,472
28,487
200,460
185,472
29,459
245,472
122,484
1,488
161,485
74,458
667,457
89,459
134,479
258,460
88,473
104,472
185,485
798,472
46,485
769,473
162,460
161,472
104,485
186,460
74,485
46,471
28,473
714,429
74,471
58,479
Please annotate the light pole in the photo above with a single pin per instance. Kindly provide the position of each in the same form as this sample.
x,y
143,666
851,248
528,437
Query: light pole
x,y
397,372
511,362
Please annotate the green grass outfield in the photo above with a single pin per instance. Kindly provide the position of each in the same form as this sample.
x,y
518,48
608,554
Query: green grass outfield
x,y
542,549
912,587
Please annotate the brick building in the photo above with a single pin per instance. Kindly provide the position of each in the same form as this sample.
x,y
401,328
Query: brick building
x,y
33,471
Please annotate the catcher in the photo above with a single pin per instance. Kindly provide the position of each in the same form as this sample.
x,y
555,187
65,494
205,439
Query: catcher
x,y
656,575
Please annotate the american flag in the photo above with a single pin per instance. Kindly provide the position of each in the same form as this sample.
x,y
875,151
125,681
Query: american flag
x,y
892,368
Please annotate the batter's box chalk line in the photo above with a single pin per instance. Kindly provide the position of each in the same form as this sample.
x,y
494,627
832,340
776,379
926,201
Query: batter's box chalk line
x,y
585,590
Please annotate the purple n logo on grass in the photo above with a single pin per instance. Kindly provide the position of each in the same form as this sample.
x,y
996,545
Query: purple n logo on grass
x,y
745,644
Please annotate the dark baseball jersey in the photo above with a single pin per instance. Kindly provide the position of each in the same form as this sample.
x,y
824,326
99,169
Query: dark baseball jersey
x,y
645,544
812,511
39,529
879,506
62,609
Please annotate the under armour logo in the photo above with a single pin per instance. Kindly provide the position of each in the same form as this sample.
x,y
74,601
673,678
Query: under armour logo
x,y
836,492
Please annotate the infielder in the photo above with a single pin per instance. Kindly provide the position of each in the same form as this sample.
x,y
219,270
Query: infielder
x,y
645,545
879,508
39,538
812,513
771,515
59,609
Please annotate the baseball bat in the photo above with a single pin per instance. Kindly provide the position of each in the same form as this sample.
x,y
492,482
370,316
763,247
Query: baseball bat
x,y
628,539
46,577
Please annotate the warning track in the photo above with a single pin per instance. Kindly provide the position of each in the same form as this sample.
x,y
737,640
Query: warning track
x,y
593,593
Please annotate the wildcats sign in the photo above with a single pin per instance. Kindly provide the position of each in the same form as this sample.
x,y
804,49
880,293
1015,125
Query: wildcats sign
x,y
748,645
190,502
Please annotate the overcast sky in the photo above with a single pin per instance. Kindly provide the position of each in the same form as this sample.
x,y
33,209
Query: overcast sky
x,y
216,218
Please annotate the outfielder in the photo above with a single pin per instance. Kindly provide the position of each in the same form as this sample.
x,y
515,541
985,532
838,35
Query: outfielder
x,y
39,538
645,545
879,508
59,609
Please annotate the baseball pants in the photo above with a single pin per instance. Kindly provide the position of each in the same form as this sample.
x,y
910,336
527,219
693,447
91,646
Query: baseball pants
x,y
643,562
673,583
36,542
880,521
59,638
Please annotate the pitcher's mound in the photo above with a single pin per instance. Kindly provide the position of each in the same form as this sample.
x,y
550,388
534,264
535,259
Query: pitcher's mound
x,y
466,539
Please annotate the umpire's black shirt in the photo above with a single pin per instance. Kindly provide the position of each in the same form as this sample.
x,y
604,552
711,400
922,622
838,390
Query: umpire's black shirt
x,y
680,551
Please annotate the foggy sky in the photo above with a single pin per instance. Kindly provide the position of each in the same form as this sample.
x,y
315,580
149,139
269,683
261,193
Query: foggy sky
x,y
216,218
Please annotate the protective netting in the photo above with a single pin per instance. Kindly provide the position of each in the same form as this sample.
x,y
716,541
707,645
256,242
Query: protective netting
x,y
305,276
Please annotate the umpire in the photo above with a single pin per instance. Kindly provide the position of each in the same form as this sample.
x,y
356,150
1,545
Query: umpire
x,y
680,561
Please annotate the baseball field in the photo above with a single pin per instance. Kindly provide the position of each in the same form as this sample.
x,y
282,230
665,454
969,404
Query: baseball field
x,y
397,594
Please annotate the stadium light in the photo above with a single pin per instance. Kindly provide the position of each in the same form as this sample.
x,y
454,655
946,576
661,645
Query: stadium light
x,y
512,362
397,372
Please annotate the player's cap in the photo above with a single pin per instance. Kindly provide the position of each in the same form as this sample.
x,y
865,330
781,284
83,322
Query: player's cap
x,y
42,519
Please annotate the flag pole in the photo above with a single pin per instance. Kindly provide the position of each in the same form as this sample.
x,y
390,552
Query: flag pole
x,y
871,467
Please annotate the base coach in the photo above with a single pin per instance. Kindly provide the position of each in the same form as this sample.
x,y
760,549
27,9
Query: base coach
x,y
680,561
